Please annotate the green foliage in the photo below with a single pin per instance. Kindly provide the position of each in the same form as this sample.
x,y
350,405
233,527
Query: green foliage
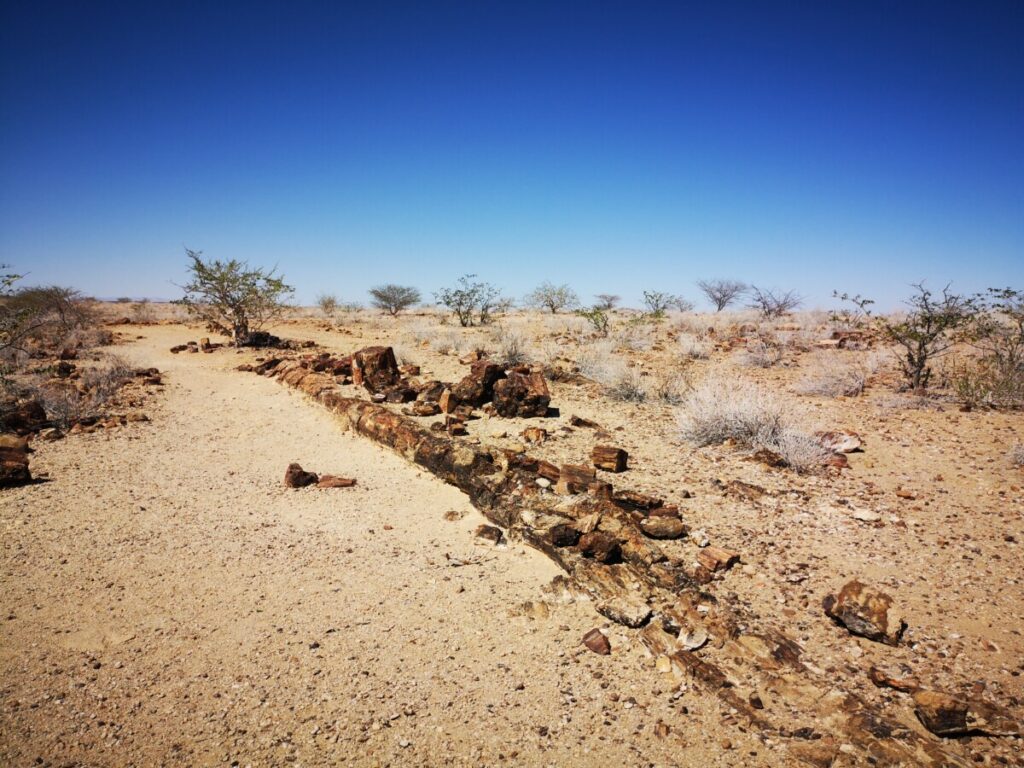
x,y
393,298
598,318
658,302
853,317
471,302
233,298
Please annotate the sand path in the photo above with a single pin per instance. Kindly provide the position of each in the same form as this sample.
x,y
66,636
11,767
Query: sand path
x,y
167,601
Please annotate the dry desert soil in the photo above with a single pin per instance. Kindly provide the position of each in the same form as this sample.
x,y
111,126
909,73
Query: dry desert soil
x,y
168,601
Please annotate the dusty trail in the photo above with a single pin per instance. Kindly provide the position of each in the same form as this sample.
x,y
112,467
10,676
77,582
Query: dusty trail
x,y
167,601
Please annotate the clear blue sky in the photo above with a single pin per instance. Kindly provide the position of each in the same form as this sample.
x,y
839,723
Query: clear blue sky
x,y
614,146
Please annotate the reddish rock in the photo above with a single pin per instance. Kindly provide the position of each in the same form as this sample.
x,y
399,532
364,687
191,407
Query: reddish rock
x,y
866,612
296,477
425,408
14,461
522,395
579,421
477,387
574,478
596,641
333,481
22,418
535,435
375,368
841,441
600,546
609,458
717,559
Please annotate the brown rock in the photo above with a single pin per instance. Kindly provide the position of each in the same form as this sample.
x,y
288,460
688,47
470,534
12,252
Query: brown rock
x,y
945,715
13,461
535,435
609,458
489,533
563,535
522,395
473,357
333,481
717,559
547,470
663,527
447,401
887,680
477,387
866,612
841,441
596,641
22,418
601,546
375,368
296,477
425,408
579,421
574,478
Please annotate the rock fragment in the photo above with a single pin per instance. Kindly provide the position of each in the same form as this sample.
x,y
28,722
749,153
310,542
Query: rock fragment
x,y
866,612
596,641
296,477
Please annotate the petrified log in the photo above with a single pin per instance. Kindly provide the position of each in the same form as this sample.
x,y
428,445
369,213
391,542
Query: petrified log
x,y
375,368
574,478
609,458
13,461
522,394
744,660
477,387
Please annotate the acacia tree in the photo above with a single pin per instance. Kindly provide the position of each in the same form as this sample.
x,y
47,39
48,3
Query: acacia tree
x,y
553,297
607,301
774,303
926,332
393,298
721,292
233,298
659,301
470,301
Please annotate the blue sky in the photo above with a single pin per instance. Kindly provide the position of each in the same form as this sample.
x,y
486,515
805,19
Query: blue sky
x,y
613,146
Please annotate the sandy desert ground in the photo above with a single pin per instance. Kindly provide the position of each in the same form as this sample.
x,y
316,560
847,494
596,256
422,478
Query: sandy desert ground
x,y
167,601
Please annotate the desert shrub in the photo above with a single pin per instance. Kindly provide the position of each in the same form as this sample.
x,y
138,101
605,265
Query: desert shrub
x,y
634,336
510,346
233,298
142,312
471,302
831,376
65,403
773,303
593,359
722,293
761,354
670,387
1017,455
717,410
393,299
448,343
801,452
607,301
554,298
597,318
622,382
328,304
694,347
547,353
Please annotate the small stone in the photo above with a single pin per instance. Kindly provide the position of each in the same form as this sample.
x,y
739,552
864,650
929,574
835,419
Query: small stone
x,y
596,641
866,612
489,533
296,477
